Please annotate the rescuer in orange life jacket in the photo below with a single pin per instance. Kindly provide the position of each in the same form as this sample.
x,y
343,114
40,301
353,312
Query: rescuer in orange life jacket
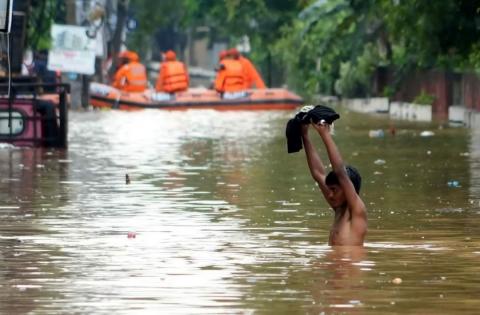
x,y
253,77
132,75
173,75
231,76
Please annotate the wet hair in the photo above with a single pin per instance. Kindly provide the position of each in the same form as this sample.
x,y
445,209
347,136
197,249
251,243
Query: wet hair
x,y
353,174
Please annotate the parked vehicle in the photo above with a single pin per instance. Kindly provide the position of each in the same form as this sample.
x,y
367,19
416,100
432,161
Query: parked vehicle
x,y
31,117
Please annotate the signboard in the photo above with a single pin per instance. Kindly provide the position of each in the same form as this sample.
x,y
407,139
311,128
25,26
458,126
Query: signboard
x,y
72,50
6,15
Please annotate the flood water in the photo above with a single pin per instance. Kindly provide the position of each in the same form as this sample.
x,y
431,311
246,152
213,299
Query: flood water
x,y
223,221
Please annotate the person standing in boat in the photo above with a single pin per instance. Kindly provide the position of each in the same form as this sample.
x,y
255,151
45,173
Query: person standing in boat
x,y
253,77
231,79
132,75
173,75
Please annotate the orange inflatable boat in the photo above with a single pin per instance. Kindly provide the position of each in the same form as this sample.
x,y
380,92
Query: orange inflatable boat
x,y
105,96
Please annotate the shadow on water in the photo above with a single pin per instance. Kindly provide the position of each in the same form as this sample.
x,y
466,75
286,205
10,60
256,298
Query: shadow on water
x,y
218,218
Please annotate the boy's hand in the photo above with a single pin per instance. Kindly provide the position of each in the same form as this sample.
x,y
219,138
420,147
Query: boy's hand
x,y
322,128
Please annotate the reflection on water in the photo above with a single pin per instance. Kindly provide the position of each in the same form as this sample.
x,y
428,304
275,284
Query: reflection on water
x,y
227,222
339,279
474,154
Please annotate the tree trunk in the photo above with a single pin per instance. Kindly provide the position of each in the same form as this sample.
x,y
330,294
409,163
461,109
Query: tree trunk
x,y
85,91
122,11
269,68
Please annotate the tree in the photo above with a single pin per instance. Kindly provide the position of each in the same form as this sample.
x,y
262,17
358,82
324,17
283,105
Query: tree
x,y
330,46
40,17
261,20
344,40
122,11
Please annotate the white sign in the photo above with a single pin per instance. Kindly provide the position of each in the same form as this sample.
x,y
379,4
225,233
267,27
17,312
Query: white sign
x,y
5,15
72,50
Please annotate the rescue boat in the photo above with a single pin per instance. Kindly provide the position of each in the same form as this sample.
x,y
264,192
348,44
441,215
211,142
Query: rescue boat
x,y
105,96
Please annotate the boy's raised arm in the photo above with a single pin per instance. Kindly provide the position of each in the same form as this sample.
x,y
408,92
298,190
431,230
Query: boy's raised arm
x,y
355,203
317,170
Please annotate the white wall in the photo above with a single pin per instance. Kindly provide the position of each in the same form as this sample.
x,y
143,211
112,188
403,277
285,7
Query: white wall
x,y
397,110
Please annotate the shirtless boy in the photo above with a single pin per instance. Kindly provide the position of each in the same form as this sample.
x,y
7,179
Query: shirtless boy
x,y
340,188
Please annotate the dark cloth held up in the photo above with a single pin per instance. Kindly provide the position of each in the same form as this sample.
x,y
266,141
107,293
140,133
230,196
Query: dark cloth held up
x,y
306,115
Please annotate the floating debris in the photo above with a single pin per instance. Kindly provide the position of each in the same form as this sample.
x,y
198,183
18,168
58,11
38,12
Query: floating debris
x,y
127,179
427,133
70,182
453,183
379,133
379,162
397,281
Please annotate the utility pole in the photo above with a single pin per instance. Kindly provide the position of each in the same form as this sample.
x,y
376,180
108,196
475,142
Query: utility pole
x,y
21,10
76,93
76,15
86,78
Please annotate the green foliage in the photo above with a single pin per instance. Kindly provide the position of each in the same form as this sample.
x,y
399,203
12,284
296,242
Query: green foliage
x,y
262,20
435,33
388,91
41,17
331,46
333,42
355,77
352,37
474,56
229,20
153,15
424,98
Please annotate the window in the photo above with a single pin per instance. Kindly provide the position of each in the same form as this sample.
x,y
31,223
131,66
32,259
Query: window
x,y
18,123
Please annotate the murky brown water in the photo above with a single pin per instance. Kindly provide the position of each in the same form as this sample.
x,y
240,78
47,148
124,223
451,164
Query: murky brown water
x,y
227,222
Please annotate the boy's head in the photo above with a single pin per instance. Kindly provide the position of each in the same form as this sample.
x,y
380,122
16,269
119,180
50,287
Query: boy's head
x,y
352,172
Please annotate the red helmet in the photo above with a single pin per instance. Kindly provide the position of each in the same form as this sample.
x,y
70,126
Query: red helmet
x,y
222,54
234,53
130,55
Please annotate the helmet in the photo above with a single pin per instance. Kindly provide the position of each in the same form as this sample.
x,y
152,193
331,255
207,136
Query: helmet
x,y
130,55
222,54
234,53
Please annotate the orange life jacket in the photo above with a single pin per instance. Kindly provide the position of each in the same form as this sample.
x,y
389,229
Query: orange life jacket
x,y
173,77
131,77
231,77
253,77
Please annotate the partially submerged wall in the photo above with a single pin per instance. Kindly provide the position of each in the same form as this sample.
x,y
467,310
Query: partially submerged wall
x,y
397,110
